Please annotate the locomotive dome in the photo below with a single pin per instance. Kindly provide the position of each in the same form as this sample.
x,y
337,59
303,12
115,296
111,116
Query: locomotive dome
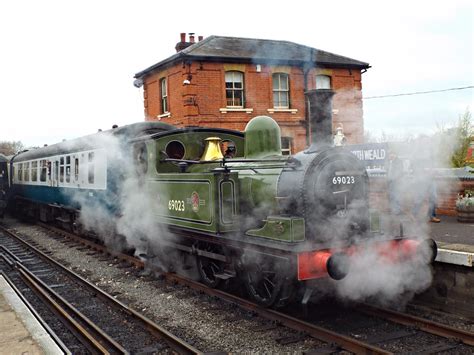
x,y
262,138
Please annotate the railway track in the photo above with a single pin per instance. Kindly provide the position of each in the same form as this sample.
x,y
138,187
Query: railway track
x,y
99,322
454,339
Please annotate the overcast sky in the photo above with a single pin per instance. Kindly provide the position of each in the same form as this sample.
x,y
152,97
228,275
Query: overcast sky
x,y
66,68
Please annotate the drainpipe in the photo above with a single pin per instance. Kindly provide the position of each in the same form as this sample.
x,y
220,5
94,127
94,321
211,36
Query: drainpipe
x,y
306,106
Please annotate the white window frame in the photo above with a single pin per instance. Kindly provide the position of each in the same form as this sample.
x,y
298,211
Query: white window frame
x,y
279,91
235,77
98,165
164,95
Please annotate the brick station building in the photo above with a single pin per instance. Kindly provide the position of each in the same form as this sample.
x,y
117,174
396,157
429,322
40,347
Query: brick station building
x,y
225,81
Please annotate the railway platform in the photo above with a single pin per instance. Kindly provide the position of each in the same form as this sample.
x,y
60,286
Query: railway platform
x,y
20,331
455,241
452,286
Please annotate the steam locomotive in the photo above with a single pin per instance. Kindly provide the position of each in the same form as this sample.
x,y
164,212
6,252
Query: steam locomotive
x,y
228,203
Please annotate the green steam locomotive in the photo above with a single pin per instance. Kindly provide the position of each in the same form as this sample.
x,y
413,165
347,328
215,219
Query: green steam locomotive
x,y
225,203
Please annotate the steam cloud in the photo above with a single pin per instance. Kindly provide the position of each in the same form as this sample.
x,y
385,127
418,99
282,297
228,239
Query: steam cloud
x,y
126,218
396,283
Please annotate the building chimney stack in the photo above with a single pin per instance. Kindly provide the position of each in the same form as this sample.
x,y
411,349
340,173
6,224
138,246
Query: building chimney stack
x,y
200,38
183,44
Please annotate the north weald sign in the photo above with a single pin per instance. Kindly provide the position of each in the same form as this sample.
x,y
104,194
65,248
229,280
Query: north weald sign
x,y
373,155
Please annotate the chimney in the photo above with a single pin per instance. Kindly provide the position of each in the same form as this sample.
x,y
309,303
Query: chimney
x,y
183,44
320,118
200,38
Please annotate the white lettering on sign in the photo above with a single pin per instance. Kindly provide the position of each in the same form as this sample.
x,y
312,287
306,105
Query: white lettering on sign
x,y
343,180
370,154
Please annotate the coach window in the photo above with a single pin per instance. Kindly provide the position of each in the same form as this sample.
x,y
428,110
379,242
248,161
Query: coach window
x,y
34,170
44,170
56,171
61,169
20,172
26,171
90,167
281,90
164,95
68,168
234,89
76,169
323,82
49,169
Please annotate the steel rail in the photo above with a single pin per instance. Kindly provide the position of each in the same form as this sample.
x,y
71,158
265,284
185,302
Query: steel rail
x,y
425,325
33,311
172,341
345,342
100,248
92,337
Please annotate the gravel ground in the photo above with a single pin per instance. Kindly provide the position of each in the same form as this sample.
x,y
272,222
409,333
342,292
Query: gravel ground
x,y
207,323
441,317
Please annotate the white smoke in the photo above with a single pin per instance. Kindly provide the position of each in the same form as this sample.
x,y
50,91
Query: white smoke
x,y
389,283
126,219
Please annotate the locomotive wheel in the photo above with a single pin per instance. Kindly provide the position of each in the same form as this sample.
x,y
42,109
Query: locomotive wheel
x,y
208,268
263,283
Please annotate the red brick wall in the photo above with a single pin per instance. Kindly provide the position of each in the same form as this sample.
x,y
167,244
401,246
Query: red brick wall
x,y
200,102
447,196
448,190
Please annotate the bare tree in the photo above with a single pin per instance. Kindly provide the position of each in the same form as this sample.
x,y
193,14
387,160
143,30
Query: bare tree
x,y
10,148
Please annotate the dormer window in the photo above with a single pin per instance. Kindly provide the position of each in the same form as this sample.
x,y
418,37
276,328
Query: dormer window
x,y
234,89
